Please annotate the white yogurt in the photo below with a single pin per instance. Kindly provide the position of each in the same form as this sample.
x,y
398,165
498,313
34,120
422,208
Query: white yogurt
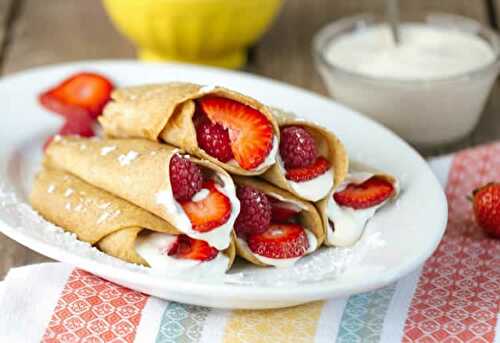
x,y
219,237
422,111
349,223
153,249
312,190
283,262
425,52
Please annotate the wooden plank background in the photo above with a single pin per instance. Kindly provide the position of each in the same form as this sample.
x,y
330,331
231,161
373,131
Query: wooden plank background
x,y
36,32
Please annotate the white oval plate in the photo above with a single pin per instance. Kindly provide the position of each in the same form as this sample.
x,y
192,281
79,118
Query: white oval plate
x,y
405,233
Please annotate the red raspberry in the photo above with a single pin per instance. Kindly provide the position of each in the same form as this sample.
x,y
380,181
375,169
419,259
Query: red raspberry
x,y
255,211
214,139
185,177
297,147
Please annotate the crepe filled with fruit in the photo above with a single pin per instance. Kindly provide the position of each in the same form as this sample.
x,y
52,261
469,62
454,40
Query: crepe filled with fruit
x,y
121,229
348,208
274,227
311,160
195,196
227,128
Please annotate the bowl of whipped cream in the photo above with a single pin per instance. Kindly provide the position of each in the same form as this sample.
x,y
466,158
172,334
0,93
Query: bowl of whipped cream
x,y
430,88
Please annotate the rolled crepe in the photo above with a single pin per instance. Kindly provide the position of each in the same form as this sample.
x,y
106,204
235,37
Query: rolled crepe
x,y
309,217
137,170
344,226
164,112
96,216
328,146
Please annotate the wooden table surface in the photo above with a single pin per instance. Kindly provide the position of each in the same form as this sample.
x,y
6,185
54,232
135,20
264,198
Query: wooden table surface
x,y
35,32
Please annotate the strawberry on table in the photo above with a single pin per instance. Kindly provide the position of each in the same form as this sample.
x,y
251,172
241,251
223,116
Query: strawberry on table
x,y
250,132
280,241
193,249
82,93
301,174
210,212
367,194
486,202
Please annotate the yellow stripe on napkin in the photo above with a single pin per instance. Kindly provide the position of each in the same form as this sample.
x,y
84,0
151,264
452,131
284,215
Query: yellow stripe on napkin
x,y
294,324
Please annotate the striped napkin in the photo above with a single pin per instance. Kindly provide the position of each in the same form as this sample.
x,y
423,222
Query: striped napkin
x,y
453,297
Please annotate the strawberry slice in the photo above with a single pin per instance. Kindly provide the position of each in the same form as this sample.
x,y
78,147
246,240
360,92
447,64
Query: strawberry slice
x,y
210,212
188,248
250,132
82,93
81,125
280,241
370,193
320,166
282,211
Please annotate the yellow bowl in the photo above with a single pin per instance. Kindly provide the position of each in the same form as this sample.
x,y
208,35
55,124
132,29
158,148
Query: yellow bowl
x,y
214,32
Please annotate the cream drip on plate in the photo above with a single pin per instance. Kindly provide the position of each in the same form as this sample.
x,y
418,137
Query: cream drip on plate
x,y
348,222
153,249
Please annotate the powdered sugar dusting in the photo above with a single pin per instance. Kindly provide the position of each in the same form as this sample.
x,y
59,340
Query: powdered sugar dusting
x,y
104,206
51,188
107,149
125,160
68,192
102,218
207,89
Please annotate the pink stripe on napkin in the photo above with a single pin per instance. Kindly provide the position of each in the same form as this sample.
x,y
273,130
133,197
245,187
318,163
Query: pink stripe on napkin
x,y
92,309
457,296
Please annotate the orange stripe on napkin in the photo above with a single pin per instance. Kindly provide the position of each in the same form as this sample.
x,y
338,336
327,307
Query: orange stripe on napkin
x,y
294,324
92,309
457,296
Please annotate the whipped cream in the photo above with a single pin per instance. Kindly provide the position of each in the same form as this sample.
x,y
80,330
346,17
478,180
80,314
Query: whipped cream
x,y
219,237
283,262
152,248
312,190
349,223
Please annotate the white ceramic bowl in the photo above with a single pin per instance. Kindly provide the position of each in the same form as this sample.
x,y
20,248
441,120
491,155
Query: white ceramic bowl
x,y
424,112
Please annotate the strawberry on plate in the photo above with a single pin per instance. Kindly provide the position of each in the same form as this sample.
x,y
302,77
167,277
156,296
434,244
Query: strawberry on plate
x,y
282,211
210,212
370,193
250,132
301,174
279,241
186,247
82,93
80,124
486,202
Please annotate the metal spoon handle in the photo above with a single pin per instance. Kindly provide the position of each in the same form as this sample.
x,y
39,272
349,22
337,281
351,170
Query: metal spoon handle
x,y
392,15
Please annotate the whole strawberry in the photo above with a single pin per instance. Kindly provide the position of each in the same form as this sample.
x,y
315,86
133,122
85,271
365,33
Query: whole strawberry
x,y
486,201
